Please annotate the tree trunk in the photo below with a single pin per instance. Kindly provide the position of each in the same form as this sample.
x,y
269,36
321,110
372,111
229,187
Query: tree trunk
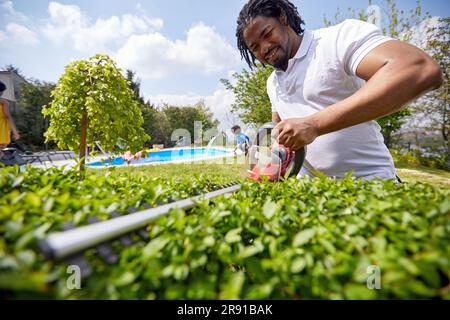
x,y
84,125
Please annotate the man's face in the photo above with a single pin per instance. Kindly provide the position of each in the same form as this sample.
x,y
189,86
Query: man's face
x,y
269,40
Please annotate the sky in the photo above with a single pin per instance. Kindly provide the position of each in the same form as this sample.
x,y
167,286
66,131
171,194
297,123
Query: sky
x,y
179,49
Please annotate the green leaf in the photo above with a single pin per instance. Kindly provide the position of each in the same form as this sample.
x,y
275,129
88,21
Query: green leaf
x,y
269,208
303,237
298,265
209,241
152,249
231,290
359,292
33,199
327,245
233,235
124,279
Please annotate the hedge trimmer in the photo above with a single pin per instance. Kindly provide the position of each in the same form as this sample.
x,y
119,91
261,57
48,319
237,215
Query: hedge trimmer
x,y
274,163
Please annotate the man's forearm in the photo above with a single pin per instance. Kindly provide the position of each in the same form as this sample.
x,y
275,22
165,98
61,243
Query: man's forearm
x,y
393,86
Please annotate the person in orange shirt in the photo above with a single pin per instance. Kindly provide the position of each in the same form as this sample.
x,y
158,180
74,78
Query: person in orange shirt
x,y
6,122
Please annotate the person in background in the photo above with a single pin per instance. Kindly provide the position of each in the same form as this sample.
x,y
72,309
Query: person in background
x,y
6,122
243,141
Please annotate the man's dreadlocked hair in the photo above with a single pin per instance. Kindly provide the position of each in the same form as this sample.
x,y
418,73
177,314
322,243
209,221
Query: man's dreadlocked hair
x,y
265,8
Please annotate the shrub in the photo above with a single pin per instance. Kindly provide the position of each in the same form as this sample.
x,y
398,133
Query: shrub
x,y
416,158
296,239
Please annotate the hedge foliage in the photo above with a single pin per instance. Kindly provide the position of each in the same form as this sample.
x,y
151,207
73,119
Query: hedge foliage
x,y
296,239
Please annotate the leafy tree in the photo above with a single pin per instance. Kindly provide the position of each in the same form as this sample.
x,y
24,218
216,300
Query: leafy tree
x,y
92,102
184,117
34,96
438,105
156,124
397,24
252,102
160,123
431,118
135,85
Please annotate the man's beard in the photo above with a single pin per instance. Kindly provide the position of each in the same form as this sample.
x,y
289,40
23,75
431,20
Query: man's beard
x,y
281,62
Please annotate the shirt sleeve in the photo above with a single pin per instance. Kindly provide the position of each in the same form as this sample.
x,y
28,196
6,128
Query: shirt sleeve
x,y
355,39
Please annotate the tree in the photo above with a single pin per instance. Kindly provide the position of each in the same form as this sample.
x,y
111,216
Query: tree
x,y
156,124
161,123
184,117
135,85
394,23
92,102
438,104
433,110
251,100
34,95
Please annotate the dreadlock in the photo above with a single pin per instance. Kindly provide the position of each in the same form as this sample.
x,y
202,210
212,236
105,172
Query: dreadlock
x,y
265,8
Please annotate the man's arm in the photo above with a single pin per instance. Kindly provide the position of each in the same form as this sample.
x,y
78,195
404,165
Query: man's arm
x,y
4,104
396,73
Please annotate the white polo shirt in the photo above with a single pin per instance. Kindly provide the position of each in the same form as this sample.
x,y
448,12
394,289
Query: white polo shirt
x,y
322,73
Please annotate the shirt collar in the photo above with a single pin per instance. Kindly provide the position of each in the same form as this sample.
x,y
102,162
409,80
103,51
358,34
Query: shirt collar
x,y
304,45
302,50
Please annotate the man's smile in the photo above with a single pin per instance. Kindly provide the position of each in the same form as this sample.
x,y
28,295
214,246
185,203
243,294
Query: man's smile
x,y
271,54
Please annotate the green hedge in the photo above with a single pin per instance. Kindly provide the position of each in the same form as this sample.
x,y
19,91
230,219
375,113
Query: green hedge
x,y
416,158
297,239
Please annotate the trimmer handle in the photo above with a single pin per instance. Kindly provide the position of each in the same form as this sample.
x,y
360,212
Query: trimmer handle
x,y
266,129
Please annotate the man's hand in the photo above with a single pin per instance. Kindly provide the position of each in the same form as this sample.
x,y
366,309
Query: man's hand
x,y
295,133
16,136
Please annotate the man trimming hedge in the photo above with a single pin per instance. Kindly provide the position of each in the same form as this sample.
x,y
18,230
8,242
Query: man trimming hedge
x,y
329,85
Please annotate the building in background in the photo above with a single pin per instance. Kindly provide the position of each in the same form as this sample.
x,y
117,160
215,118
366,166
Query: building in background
x,y
13,82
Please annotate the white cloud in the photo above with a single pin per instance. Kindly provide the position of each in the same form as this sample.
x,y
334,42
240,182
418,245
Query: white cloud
x,y
15,32
134,42
21,35
219,103
68,22
8,6
204,51
64,21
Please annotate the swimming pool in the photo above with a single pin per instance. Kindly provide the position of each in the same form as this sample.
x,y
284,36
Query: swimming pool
x,y
171,155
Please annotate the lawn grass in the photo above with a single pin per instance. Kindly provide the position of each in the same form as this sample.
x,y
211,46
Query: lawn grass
x,y
423,174
412,171
224,170
235,169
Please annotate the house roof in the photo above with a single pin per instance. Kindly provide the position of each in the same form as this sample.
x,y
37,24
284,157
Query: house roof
x,y
14,73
